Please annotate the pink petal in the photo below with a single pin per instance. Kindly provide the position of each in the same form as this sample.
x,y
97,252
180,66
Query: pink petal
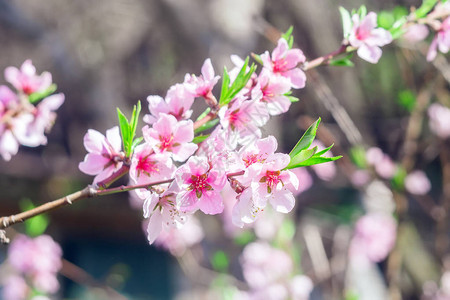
x,y
208,70
93,164
154,226
283,201
113,137
184,132
280,51
297,77
93,141
211,203
370,54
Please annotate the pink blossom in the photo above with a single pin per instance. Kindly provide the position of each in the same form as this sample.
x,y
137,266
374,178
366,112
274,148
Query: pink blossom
x,y
163,213
178,240
374,237
269,183
12,133
15,288
44,117
368,38
242,118
204,84
8,99
105,155
178,103
383,164
417,183
415,33
441,41
39,258
200,185
271,89
284,61
263,265
301,287
439,120
26,80
169,135
146,166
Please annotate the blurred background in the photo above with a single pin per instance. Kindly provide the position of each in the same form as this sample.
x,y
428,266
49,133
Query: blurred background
x,y
108,54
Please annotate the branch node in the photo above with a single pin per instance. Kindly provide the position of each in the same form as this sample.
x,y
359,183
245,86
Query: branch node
x,y
68,200
3,238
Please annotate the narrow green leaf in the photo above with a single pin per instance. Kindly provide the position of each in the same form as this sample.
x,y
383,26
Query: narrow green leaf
x,y
288,33
241,80
346,21
306,140
225,86
341,62
425,8
362,11
203,114
200,138
206,126
316,160
124,130
322,152
293,99
257,58
301,157
35,97
135,118
136,143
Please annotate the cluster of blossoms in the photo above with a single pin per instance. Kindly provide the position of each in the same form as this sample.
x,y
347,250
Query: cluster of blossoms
x,y
35,263
268,271
234,153
21,121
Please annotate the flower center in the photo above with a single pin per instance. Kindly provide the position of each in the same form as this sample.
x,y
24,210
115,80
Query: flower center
x,y
199,184
279,66
166,142
146,166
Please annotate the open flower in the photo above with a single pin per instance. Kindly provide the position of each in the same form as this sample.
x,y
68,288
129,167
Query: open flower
x,y
271,89
368,38
203,84
170,136
200,186
105,155
284,61
441,41
26,80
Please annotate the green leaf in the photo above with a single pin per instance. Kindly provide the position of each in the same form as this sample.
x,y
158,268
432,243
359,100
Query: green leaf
x,y
225,86
219,261
315,160
362,12
200,138
135,119
229,92
293,99
203,114
35,97
342,62
288,36
425,8
306,140
407,99
346,21
324,150
36,225
206,126
301,157
125,131
136,143
258,59
358,156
